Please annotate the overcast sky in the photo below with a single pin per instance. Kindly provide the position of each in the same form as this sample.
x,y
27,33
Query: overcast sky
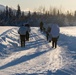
x,y
33,4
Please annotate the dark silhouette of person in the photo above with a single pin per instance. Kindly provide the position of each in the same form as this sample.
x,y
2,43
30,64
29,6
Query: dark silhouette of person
x,y
47,34
41,25
27,36
28,31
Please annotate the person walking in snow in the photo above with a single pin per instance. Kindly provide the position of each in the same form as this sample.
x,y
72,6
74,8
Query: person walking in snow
x,y
28,31
41,26
54,34
48,36
22,31
27,35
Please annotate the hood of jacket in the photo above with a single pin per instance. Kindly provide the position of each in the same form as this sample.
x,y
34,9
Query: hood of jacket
x,y
55,30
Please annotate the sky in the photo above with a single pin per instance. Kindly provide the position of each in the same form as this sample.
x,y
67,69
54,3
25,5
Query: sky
x,y
35,4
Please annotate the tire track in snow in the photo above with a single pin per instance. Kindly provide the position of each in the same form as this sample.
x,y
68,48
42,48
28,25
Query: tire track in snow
x,y
53,51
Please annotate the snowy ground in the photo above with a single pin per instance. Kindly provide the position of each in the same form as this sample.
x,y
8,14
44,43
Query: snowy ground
x,y
37,58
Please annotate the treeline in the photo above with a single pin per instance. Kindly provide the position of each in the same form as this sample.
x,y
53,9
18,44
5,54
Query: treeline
x,y
11,17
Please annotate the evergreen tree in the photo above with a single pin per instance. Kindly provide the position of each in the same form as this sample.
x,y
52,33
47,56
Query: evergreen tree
x,y
10,13
23,14
75,14
29,14
7,13
18,14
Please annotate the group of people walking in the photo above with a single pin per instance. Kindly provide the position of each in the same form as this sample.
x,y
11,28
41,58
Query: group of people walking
x,y
52,33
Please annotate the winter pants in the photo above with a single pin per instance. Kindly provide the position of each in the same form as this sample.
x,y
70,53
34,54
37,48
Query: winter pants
x,y
54,41
22,40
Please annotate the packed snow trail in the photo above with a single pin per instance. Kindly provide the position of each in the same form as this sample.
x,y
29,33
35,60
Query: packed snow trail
x,y
36,58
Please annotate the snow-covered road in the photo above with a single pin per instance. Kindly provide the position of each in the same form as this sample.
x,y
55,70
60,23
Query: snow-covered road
x,y
37,58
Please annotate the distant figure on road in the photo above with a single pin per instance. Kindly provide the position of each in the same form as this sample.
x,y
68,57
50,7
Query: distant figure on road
x,y
48,36
27,35
55,34
27,32
41,26
28,27
24,34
